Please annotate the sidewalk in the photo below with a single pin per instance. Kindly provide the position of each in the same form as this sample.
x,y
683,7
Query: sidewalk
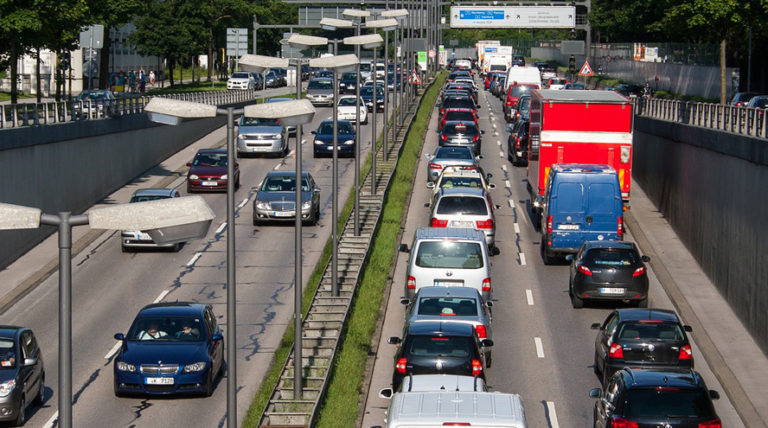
x,y
739,364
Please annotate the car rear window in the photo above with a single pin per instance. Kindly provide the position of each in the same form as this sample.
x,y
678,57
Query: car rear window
x,y
460,128
460,115
453,153
468,205
611,257
667,403
449,254
448,306
443,346
654,331
348,102
516,91
471,182
459,103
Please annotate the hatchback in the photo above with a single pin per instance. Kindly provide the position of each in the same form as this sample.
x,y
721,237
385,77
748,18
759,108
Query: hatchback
x,y
460,176
463,207
517,142
241,80
22,374
445,156
320,91
132,239
608,270
438,348
461,134
323,143
276,198
208,171
459,114
642,338
261,136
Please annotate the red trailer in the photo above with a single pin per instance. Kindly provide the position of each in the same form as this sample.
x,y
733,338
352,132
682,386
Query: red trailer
x,y
572,126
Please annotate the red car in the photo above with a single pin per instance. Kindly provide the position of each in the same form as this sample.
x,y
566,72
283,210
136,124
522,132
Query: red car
x,y
488,79
208,171
513,94
462,114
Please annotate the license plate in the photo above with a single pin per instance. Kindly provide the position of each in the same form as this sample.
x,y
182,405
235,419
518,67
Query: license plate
x,y
159,381
282,214
330,148
568,226
448,283
612,291
209,183
458,223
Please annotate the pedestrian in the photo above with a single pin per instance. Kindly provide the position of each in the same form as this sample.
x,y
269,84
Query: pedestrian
x,y
143,82
132,80
152,78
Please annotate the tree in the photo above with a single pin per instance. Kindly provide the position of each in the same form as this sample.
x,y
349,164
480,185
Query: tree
x,y
61,21
218,15
19,21
111,14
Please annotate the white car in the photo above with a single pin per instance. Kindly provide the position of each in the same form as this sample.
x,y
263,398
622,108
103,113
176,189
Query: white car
x,y
459,176
242,80
347,110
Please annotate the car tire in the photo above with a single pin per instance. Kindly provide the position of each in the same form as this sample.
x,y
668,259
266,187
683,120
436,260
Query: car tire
x,y
209,384
286,150
576,302
21,415
546,257
316,217
595,367
642,303
257,222
40,397
176,247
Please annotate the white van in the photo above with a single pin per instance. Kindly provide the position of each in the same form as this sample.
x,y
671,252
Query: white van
x,y
523,75
439,409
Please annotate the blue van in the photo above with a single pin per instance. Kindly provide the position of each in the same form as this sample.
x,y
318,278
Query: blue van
x,y
582,202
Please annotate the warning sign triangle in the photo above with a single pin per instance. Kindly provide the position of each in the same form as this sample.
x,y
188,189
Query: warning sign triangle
x,y
586,70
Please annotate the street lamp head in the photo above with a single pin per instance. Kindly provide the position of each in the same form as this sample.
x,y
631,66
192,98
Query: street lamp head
x,y
259,63
301,41
19,217
332,24
295,112
339,63
388,24
399,14
171,112
367,41
356,13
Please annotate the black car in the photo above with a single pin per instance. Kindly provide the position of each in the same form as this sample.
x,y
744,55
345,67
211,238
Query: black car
x,y
462,134
462,86
323,142
457,102
366,93
643,338
523,109
436,347
22,375
348,83
629,90
608,270
655,398
517,142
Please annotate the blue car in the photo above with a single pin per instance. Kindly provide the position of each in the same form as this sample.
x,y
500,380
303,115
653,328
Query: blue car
x,y
171,348
323,144
366,93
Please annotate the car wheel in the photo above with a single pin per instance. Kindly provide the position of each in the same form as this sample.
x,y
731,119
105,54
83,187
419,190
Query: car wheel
x,y
257,222
21,416
595,367
40,397
176,247
643,303
576,302
546,257
209,384
286,150
316,217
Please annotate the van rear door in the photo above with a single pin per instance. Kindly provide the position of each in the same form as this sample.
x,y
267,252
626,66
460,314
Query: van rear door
x,y
568,212
603,209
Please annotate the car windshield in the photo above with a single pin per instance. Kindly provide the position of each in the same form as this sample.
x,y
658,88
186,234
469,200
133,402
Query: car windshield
x,y
663,403
655,331
349,75
467,205
516,91
559,81
453,153
449,254
171,328
7,354
448,306
460,115
210,159
239,75
471,182
350,101
145,198
460,128
320,84
611,257
365,66
326,128
258,121
285,183
444,346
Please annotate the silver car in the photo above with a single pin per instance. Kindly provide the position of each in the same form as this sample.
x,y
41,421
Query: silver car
x,y
452,304
444,156
448,257
320,91
276,198
465,207
261,136
134,239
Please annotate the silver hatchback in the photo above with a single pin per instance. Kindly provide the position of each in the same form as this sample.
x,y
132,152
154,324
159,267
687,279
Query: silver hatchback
x,y
445,156
465,207
261,136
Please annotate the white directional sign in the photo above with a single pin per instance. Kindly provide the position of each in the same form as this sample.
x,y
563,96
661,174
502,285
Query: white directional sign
x,y
237,42
513,16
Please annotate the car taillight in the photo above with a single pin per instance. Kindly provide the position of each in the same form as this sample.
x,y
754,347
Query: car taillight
x,y
484,224
616,351
714,423
436,222
476,137
435,166
585,270
477,368
411,283
400,366
487,284
549,224
617,422
620,226
481,332
509,103
639,271
442,111
685,353
443,137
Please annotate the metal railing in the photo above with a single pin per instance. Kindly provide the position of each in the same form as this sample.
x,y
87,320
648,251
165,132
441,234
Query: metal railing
x,y
750,122
34,114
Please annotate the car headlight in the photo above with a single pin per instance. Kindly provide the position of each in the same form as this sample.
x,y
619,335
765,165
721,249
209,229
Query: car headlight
x,y
6,387
125,367
342,84
349,142
277,136
262,205
223,177
241,136
318,142
306,205
194,367
193,177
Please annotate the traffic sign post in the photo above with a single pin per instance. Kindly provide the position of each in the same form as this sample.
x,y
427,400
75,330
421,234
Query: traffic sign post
x,y
237,42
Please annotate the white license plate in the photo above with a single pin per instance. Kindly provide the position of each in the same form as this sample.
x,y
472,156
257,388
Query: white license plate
x,y
458,223
282,214
209,183
159,381
568,226
330,148
448,283
612,291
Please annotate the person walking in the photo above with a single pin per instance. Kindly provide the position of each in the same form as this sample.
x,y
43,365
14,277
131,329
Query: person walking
x,y
152,78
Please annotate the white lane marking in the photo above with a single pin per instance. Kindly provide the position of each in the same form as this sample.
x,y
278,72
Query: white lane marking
x,y
511,203
194,258
539,347
504,166
161,296
498,142
302,143
494,125
221,228
552,414
517,228
522,259
495,134
507,184
292,152
501,154
277,166
50,422
529,297
245,201
113,351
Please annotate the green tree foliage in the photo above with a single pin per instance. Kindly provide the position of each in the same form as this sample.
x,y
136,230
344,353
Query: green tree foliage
x,y
273,12
111,14
19,24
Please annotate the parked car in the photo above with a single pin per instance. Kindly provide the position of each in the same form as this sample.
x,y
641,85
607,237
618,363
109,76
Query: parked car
x,y
444,156
655,398
241,80
462,207
133,239
320,91
208,171
22,373
518,60
608,270
641,338
438,348
170,348
461,134
291,128
629,91
276,198
323,142
97,102
741,99
347,110
261,136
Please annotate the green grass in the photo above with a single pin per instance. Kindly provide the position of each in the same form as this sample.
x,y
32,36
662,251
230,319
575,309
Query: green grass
x,y
189,87
6,96
341,404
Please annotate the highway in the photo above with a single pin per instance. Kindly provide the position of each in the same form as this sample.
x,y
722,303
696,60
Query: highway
x,y
109,287
543,348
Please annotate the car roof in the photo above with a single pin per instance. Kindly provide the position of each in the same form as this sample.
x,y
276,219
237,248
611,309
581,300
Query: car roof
x,y
462,191
583,168
449,233
461,109
624,245
639,314
155,192
448,291
280,173
212,151
461,171
438,328
679,378
172,309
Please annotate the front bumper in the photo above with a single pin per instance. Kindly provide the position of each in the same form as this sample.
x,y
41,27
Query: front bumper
x,y
327,149
183,383
238,85
205,185
321,100
135,239
270,215
9,406
254,145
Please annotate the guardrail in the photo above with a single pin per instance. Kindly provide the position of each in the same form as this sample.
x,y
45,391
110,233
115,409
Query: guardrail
x,y
34,114
739,120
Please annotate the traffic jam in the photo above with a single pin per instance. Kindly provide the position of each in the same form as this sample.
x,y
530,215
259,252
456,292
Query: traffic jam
x,y
574,149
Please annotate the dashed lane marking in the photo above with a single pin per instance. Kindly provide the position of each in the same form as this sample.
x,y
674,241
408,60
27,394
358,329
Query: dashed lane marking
x,y
539,347
522,259
552,414
511,203
278,165
50,422
507,184
161,296
501,154
194,259
498,142
529,297
242,204
113,351
503,167
221,228
517,228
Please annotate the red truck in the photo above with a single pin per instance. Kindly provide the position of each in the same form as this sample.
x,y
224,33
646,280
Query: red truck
x,y
573,126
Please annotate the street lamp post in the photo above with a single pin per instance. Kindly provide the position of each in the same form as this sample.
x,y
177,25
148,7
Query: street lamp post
x,y
396,15
182,219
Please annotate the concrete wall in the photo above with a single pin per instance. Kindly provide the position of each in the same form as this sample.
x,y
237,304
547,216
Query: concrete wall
x,y
713,188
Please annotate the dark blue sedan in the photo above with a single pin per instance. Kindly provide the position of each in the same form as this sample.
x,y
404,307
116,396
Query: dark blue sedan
x,y
323,144
171,348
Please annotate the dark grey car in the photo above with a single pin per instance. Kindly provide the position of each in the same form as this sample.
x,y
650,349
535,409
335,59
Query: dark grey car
x,y
320,91
462,134
276,198
22,375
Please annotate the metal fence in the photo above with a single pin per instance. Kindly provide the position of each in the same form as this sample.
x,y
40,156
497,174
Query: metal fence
x,y
33,114
750,122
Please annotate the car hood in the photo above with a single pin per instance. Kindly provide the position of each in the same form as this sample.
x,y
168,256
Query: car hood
x,y
319,91
329,137
151,352
263,129
6,375
208,170
238,80
282,196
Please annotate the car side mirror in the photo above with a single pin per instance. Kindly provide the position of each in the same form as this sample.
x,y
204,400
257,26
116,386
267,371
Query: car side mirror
x,y
313,132
189,163
385,393
430,185
216,337
595,326
491,186
495,251
403,248
714,394
405,301
119,336
30,362
488,176
394,340
595,393
486,343
688,328
478,157
428,155
489,303
569,257
645,259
